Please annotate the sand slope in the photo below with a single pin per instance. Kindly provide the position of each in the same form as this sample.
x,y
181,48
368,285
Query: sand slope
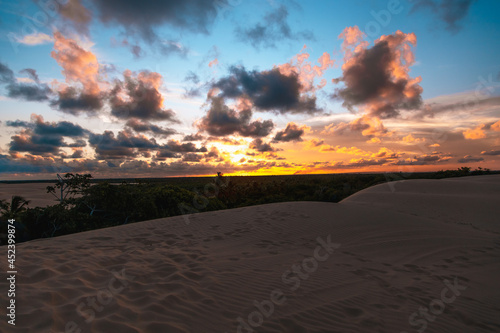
x,y
396,249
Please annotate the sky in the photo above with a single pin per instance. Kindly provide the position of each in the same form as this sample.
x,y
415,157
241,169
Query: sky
x,y
264,87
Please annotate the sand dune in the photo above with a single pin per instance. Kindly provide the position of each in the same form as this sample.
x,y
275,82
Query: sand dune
x,y
408,256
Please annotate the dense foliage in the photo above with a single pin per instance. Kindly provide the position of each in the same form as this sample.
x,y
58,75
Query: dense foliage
x,y
83,206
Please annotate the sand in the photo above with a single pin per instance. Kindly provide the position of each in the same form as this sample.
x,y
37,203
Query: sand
x,y
417,255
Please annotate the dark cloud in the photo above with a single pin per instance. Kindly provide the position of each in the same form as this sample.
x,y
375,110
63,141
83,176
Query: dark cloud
x,y
193,137
9,165
195,88
62,128
192,157
370,79
267,90
6,74
491,152
27,91
192,77
292,132
31,73
470,159
144,102
74,12
163,154
187,147
450,12
36,144
74,101
141,127
79,143
273,29
18,123
77,154
261,146
123,146
140,19
221,120
42,138
143,16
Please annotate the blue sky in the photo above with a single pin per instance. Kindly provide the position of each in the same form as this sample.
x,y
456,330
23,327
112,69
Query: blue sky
x,y
455,55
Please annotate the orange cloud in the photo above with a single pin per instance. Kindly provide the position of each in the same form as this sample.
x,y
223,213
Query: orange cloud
x,y
353,42
475,133
79,65
374,140
306,71
213,62
496,126
411,139
343,150
370,126
386,153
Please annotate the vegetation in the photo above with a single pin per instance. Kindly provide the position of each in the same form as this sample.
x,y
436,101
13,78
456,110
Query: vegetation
x,y
86,205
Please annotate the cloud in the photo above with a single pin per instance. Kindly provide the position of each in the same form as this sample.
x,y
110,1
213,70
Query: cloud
x,y
142,20
214,62
138,96
124,146
176,149
33,92
306,71
193,137
491,152
6,74
187,147
292,132
41,138
141,127
273,29
475,133
462,103
377,78
450,12
72,100
261,146
267,90
496,126
192,15
469,159
343,150
79,66
411,139
367,125
481,131
425,159
74,12
194,90
221,120
29,92
36,38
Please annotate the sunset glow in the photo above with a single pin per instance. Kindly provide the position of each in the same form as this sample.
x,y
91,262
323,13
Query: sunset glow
x,y
247,87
